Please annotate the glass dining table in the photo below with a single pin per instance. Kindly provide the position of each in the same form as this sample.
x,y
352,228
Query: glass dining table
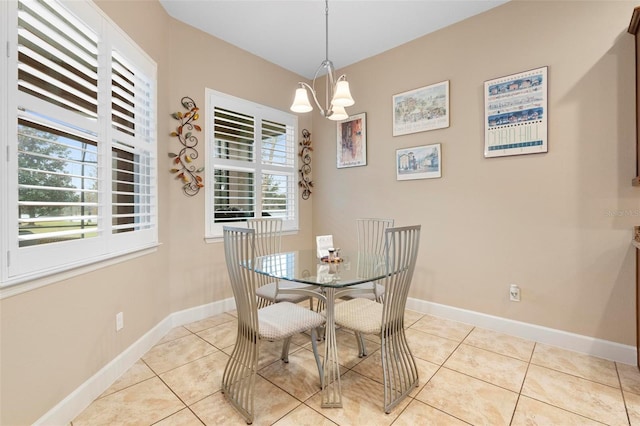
x,y
304,267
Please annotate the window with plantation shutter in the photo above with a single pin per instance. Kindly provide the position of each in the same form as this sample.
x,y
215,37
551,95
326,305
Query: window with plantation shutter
x,y
57,59
79,140
133,131
250,164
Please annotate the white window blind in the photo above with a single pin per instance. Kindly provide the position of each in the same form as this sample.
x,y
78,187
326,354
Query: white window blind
x,y
133,130
251,163
278,191
278,185
80,139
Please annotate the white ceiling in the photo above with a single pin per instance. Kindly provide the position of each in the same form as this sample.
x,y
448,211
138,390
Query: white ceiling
x,y
291,33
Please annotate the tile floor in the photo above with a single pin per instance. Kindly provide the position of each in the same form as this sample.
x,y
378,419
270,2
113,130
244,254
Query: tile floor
x,y
468,375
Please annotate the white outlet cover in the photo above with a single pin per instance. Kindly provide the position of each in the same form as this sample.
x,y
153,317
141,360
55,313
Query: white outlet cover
x,y
119,321
514,293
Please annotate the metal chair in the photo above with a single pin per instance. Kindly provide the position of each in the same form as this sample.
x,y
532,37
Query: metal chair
x,y
386,319
370,250
278,321
268,241
370,233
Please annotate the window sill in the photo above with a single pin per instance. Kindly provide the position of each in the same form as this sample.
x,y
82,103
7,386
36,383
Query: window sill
x,y
13,287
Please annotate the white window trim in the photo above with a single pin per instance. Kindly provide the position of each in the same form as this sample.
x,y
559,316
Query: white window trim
x,y
238,104
111,253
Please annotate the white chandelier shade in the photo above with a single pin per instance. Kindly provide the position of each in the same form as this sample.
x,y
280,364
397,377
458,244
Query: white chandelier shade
x,y
342,94
301,101
338,113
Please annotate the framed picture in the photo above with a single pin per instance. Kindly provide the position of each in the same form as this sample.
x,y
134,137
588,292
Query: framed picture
x,y
352,141
421,109
420,162
515,111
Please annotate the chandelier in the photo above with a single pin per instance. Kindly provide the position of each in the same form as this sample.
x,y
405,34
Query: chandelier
x,y
336,89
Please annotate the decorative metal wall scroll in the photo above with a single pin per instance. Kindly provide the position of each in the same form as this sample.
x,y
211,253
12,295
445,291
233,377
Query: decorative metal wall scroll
x,y
305,169
184,170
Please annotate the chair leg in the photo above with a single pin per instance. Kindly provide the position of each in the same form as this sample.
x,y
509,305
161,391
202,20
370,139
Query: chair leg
x,y
239,375
314,345
362,346
320,304
285,349
400,373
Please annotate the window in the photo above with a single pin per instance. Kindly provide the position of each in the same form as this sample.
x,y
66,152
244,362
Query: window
x,y
80,142
250,163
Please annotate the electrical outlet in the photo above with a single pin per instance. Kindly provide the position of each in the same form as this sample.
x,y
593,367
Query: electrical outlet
x,y
119,321
514,293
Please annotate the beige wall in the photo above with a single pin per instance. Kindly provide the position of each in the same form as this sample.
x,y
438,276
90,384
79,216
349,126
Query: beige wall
x,y
539,220
55,338
198,274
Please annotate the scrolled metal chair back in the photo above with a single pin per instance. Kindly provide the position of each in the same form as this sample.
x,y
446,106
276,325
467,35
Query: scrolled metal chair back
x,y
268,237
371,246
268,234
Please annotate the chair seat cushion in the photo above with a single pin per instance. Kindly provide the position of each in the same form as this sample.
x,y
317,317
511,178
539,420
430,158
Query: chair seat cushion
x,y
364,290
268,291
284,319
359,314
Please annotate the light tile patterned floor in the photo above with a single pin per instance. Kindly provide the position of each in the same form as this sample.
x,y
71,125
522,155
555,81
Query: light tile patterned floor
x,y
467,376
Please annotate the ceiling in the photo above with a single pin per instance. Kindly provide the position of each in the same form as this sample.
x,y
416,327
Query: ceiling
x,y
291,33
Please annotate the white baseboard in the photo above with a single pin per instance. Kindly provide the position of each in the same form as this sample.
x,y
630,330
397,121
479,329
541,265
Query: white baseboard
x,y
201,312
575,342
69,408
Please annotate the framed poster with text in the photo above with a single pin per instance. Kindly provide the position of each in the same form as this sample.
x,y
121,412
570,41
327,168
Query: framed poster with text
x,y
515,110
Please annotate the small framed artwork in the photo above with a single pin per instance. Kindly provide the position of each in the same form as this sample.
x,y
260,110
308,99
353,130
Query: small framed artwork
x,y
515,111
420,162
419,110
352,141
